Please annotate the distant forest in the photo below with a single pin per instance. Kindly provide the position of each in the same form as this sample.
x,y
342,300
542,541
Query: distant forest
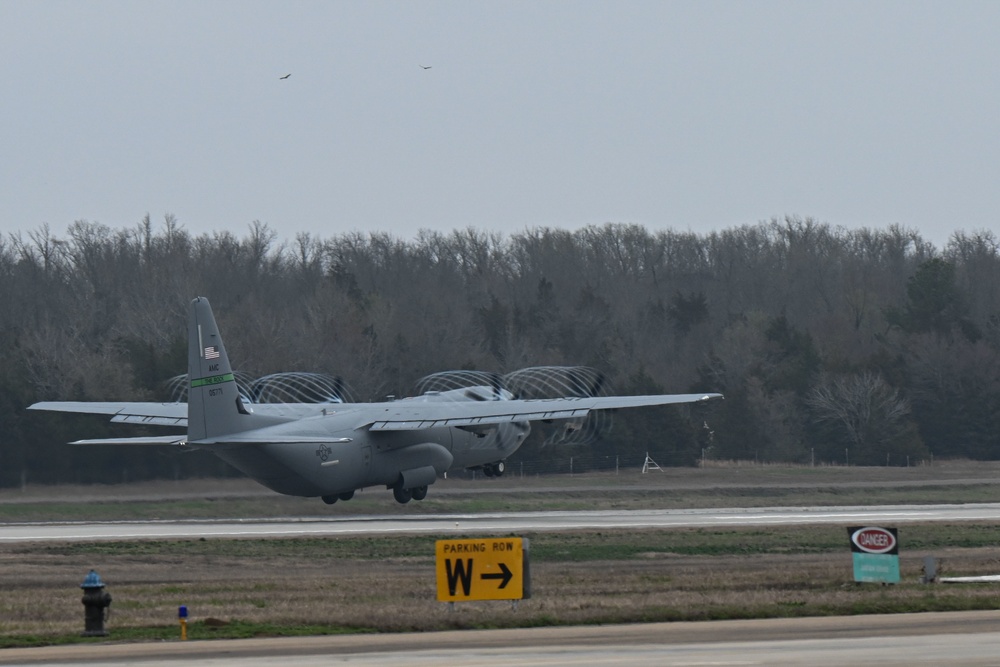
x,y
833,346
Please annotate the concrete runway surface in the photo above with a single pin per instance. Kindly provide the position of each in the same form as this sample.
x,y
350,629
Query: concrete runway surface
x,y
958,638
445,524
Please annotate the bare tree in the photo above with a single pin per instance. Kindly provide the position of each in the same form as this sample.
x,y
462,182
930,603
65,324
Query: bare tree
x,y
870,415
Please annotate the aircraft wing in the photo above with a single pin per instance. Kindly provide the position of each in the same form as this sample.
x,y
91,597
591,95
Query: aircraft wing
x,y
265,437
152,414
412,416
403,415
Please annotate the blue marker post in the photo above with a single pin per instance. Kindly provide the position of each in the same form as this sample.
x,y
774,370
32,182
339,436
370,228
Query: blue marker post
x,y
182,614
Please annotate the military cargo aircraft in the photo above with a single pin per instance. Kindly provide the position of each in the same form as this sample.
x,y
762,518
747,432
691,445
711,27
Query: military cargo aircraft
x,y
331,450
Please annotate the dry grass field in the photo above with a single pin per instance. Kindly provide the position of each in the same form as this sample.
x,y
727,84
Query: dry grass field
x,y
360,584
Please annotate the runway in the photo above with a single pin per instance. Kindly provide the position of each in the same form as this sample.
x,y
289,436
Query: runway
x,y
445,524
960,638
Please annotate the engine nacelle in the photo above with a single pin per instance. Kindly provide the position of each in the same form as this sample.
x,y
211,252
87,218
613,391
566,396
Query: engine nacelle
x,y
417,477
424,462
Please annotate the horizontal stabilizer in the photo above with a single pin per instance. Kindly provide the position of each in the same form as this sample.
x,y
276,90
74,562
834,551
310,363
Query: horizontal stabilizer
x,y
158,440
147,420
153,414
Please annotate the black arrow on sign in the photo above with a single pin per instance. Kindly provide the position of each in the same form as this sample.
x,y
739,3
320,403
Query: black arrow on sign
x,y
506,575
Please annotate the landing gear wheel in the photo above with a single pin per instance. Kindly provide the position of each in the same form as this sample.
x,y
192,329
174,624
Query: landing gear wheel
x,y
419,493
488,470
346,495
401,495
499,468
329,500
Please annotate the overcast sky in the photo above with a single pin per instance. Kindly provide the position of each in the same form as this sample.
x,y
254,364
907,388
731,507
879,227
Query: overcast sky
x,y
686,115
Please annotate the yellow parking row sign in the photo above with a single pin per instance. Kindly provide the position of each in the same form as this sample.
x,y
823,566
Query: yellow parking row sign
x,y
489,568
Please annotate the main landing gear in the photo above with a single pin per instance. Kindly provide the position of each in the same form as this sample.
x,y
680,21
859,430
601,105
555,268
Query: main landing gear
x,y
329,500
404,496
495,469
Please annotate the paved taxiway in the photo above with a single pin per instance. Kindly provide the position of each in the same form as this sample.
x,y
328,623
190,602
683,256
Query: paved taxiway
x,y
959,638
445,524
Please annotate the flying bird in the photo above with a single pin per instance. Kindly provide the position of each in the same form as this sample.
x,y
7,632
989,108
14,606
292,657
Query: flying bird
x,y
284,77
426,66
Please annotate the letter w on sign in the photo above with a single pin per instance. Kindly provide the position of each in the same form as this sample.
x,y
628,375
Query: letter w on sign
x,y
458,571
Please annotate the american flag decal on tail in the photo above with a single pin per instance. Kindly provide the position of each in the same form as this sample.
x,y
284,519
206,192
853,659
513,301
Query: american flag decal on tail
x,y
211,352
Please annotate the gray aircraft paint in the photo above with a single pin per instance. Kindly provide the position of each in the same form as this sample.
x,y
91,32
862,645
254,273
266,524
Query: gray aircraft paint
x,y
332,449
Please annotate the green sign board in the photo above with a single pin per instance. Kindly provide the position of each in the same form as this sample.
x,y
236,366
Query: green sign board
x,y
880,568
876,554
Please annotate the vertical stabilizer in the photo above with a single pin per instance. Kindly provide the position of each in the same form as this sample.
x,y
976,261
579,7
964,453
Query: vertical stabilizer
x,y
214,405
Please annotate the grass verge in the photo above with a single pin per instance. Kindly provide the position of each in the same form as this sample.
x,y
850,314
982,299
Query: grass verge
x,y
245,588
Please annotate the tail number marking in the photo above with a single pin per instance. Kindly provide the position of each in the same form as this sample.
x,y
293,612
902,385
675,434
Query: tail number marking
x,y
215,379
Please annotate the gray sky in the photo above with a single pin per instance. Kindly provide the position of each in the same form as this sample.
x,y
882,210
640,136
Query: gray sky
x,y
686,115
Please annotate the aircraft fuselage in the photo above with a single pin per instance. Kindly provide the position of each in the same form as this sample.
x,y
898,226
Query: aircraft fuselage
x,y
338,457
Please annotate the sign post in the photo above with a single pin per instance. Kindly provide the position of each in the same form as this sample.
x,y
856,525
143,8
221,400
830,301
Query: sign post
x,y
876,554
489,568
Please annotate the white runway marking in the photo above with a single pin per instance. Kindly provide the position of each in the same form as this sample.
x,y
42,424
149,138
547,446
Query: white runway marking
x,y
446,524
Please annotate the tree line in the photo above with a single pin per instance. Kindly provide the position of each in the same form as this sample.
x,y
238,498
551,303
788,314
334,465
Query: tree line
x,y
861,346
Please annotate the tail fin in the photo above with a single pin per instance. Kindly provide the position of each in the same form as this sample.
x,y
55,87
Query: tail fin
x,y
214,404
